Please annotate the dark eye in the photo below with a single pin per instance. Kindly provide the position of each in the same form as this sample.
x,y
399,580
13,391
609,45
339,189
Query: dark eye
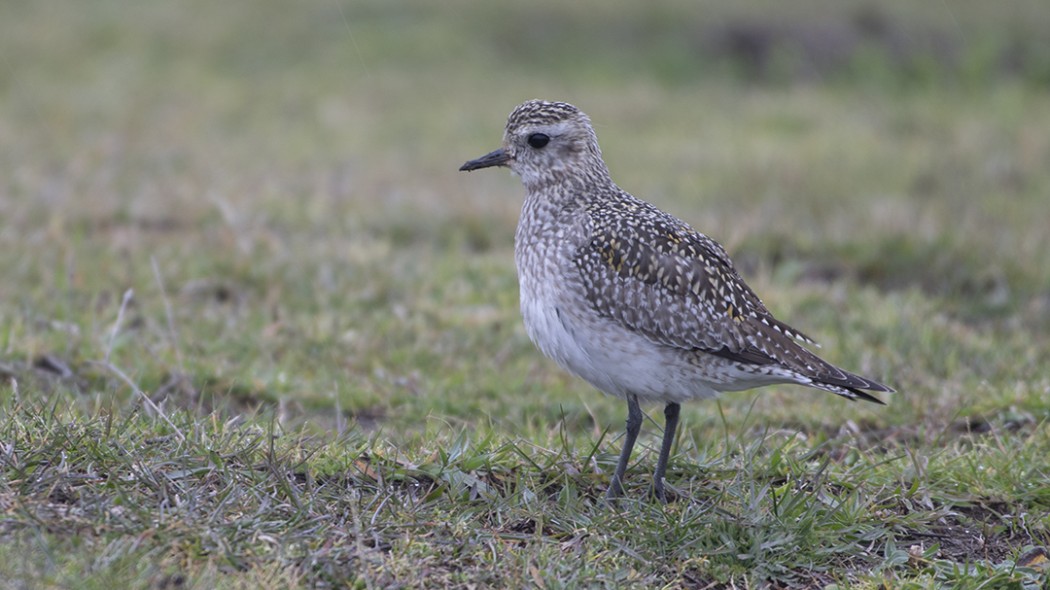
x,y
538,140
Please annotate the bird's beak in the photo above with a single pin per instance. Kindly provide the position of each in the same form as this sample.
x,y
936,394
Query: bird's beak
x,y
496,158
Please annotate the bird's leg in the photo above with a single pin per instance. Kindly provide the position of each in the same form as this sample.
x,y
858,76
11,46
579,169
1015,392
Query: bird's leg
x,y
634,425
670,424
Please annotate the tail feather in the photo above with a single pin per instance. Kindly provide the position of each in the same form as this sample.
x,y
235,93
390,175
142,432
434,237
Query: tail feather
x,y
852,387
809,369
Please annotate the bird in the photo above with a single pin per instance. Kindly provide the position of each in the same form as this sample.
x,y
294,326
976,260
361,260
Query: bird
x,y
631,299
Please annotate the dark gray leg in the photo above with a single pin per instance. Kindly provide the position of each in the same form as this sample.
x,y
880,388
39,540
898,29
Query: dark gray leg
x,y
634,425
670,424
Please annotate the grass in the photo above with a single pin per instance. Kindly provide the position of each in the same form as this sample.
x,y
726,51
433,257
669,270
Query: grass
x,y
256,330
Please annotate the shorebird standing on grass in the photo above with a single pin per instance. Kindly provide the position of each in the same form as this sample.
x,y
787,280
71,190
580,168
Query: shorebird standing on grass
x,y
632,299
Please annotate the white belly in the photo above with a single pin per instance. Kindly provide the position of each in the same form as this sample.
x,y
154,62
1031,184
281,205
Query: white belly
x,y
611,359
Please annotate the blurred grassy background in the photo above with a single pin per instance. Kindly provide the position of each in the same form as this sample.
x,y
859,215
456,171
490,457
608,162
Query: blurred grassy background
x,y
276,183
878,171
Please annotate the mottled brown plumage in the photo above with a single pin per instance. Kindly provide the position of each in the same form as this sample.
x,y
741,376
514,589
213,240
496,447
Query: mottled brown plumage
x,y
631,298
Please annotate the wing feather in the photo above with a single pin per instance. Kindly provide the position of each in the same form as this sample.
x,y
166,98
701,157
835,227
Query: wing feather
x,y
661,278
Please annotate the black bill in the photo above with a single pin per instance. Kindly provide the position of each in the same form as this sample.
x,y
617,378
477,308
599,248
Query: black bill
x,y
496,158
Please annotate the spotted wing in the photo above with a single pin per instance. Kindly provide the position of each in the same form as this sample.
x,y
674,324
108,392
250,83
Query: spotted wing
x,y
661,278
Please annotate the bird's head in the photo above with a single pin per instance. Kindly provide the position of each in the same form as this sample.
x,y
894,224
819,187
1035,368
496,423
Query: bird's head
x,y
546,142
